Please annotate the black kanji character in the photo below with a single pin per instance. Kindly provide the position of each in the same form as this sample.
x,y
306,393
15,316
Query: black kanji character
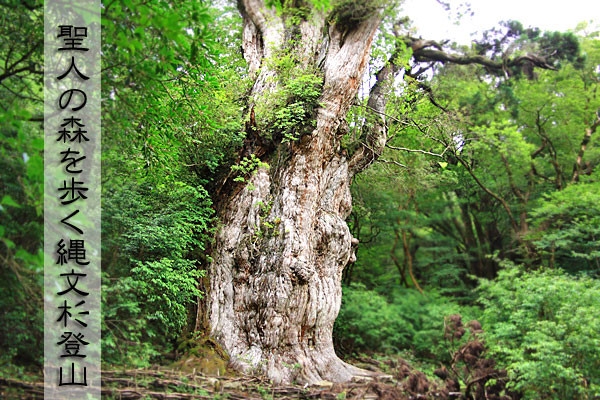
x,y
72,285
72,37
73,67
65,314
72,344
60,380
73,192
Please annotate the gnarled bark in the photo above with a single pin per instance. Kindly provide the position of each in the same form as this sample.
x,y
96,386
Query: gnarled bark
x,y
275,279
275,286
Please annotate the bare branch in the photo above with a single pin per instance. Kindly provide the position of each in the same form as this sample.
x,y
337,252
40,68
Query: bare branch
x,y
12,69
381,160
429,153
383,114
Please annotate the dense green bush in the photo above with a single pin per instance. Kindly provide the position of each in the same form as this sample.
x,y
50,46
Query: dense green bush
x,y
153,237
568,227
368,323
170,129
544,328
21,236
406,320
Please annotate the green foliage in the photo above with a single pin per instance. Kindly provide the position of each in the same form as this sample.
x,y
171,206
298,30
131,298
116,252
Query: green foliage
x,y
153,237
171,126
511,38
348,13
296,11
367,323
370,322
288,112
170,89
247,165
21,55
473,176
561,47
543,327
568,227
268,223
21,186
21,255
421,206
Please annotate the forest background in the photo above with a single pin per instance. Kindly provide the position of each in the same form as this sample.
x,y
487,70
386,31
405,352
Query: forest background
x,y
484,204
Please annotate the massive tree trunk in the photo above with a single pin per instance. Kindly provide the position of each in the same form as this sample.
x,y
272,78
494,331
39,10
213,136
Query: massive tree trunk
x,y
275,279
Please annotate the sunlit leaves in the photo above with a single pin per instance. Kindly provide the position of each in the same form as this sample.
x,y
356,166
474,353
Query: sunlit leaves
x,y
152,86
543,327
567,227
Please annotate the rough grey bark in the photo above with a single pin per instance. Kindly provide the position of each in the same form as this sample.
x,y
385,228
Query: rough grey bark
x,y
275,279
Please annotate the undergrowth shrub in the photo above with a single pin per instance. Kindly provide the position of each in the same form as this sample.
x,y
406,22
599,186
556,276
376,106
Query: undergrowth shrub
x,y
567,227
544,328
370,322
21,238
153,237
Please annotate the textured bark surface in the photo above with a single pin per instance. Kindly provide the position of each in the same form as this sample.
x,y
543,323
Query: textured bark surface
x,y
275,287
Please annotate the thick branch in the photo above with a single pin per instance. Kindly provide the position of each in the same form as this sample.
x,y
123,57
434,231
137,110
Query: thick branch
x,y
430,51
539,150
376,137
511,180
428,55
577,168
263,32
558,180
29,68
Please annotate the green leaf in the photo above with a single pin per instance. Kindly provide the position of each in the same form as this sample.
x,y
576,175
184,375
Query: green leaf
x,y
9,243
8,201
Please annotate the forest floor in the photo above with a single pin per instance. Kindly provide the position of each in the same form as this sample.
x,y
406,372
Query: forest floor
x,y
398,381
